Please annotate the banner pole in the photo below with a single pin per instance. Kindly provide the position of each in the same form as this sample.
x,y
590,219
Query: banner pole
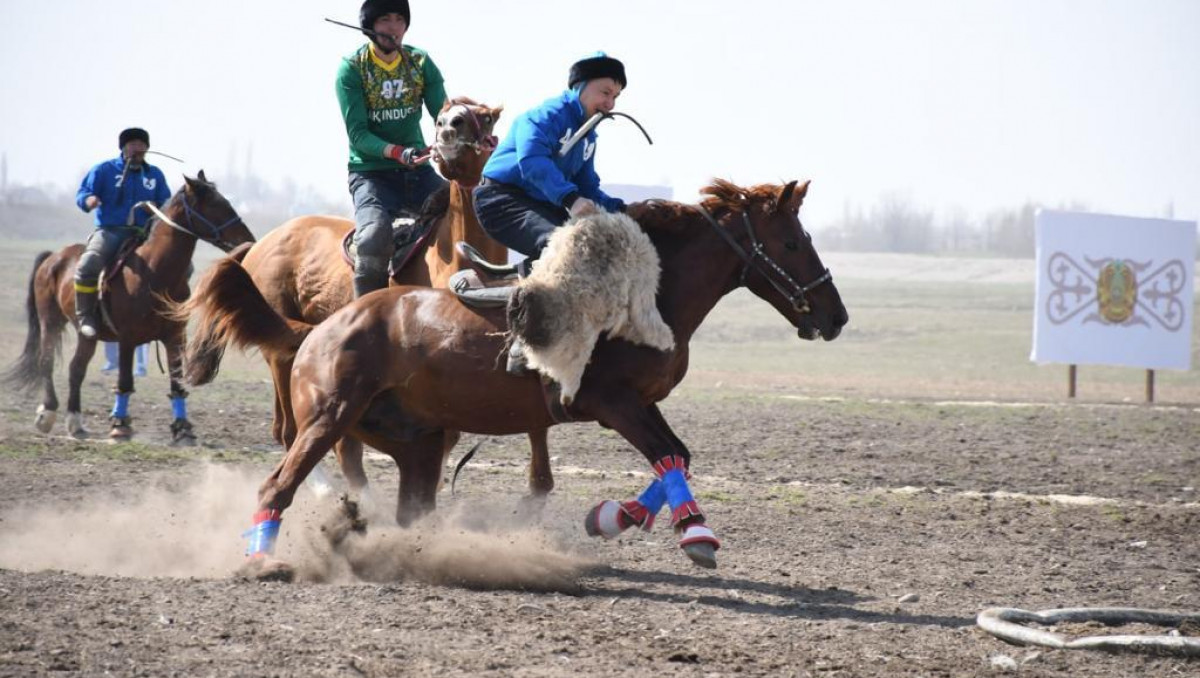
x,y
1149,386
1071,373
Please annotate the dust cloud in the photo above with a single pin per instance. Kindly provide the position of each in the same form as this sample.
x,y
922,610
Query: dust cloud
x,y
195,531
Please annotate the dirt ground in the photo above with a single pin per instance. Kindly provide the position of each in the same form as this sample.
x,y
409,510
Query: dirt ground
x,y
119,560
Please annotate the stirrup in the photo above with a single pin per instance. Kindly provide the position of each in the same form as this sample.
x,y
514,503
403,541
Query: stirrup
x,y
472,291
482,266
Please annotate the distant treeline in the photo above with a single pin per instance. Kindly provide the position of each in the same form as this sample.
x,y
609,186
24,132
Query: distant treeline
x,y
896,225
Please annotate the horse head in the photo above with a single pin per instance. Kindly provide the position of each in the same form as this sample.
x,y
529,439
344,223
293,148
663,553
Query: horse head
x,y
206,214
780,263
464,139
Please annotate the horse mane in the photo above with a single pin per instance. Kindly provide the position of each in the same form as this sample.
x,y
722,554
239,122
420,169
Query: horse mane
x,y
721,196
726,196
435,206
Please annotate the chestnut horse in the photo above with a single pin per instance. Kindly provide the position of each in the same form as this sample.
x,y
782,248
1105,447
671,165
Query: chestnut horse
x,y
134,301
400,367
300,270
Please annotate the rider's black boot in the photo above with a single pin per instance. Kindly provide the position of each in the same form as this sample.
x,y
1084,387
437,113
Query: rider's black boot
x,y
85,312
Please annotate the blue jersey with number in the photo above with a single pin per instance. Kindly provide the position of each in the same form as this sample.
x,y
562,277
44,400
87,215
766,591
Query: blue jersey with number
x,y
118,195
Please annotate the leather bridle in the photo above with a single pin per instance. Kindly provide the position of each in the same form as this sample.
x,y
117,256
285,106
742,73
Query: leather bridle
x,y
772,272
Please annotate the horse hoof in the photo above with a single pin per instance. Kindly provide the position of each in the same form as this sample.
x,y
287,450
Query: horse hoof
x,y
45,419
700,544
182,434
702,553
75,425
266,568
122,430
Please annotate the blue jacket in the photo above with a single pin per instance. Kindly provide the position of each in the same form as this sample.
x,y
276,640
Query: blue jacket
x,y
528,157
104,182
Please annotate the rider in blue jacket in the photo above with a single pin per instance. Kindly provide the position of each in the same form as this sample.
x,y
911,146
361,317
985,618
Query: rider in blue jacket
x,y
112,188
529,187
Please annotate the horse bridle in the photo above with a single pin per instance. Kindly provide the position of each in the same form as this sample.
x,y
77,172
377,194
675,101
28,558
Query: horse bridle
x,y
796,297
483,143
191,213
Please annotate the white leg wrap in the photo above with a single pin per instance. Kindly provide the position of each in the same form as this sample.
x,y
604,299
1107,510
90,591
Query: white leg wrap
x,y
606,522
696,533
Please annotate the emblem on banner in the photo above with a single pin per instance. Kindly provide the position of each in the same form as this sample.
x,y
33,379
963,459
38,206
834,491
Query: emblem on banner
x,y
1115,292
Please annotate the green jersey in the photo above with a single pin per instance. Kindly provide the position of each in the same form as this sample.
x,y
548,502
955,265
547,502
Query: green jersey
x,y
381,103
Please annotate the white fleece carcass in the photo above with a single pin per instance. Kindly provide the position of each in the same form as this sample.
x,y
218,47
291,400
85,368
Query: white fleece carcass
x,y
598,273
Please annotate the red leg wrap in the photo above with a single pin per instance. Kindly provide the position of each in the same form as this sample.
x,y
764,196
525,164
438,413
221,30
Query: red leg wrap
x,y
685,511
633,513
670,463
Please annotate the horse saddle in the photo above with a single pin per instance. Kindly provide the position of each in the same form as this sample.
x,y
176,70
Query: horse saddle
x,y
127,248
484,284
408,237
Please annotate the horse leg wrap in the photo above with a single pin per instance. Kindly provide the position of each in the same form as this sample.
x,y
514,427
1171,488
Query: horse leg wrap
x,y
120,408
641,511
685,514
179,407
610,518
264,533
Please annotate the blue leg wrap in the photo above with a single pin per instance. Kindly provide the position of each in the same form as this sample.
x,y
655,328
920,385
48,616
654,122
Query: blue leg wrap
x,y
264,534
676,488
121,406
179,407
653,497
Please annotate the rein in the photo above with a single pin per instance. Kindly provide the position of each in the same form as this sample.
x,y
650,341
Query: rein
x,y
482,144
796,297
191,213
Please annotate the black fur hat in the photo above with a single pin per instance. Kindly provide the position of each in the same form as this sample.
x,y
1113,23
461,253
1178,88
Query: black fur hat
x,y
131,134
373,9
598,65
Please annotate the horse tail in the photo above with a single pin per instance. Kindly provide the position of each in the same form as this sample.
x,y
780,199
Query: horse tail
x,y
228,307
26,372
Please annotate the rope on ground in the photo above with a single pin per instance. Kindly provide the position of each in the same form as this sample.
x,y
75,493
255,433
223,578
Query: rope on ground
x,y
1006,624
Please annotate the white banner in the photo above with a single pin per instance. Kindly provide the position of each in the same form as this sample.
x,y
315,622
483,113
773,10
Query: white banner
x,y
1113,291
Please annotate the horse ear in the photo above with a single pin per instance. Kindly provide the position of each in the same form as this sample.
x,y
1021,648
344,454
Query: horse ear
x,y
792,196
201,177
496,113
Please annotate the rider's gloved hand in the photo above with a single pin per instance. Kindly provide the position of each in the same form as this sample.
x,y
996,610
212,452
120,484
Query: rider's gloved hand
x,y
91,202
406,156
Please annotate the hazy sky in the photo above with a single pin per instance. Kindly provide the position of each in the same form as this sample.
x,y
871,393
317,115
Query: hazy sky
x,y
953,104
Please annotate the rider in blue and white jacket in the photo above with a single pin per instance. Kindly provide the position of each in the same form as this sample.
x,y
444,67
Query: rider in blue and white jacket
x,y
528,188
112,188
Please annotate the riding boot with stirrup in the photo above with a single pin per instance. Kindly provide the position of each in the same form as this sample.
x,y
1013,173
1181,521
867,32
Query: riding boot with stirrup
x,y
85,312
370,274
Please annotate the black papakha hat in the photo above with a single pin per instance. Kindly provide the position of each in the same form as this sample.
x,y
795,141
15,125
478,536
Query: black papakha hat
x,y
373,9
132,133
599,65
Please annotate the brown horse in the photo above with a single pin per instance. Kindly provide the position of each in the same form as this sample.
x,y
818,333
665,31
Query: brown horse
x,y
400,367
134,300
300,271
